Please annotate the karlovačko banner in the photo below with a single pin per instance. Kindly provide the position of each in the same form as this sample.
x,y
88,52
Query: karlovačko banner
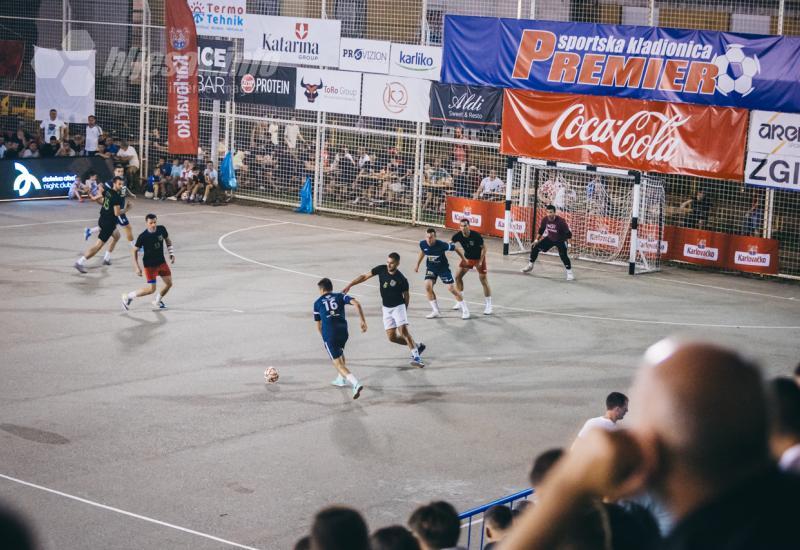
x,y
651,136
675,65
183,103
466,106
32,179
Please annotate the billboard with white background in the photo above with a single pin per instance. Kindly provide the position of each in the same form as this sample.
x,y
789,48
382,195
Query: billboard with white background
x,y
416,61
395,97
292,40
366,56
328,91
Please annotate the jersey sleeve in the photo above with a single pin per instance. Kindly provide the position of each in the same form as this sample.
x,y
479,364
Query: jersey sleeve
x,y
377,269
449,246
479,239
164,231
316,312
346,298
404,284
542,226
454,238
139,244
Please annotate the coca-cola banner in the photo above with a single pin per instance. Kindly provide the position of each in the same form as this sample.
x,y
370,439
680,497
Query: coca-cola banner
x,y
650,136
675,65
466,106
182,84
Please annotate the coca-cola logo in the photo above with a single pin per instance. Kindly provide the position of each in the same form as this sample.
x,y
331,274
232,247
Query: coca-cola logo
x,y
629,138
466,102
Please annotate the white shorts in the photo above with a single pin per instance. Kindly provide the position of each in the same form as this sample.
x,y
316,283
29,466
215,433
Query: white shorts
x,y
394,317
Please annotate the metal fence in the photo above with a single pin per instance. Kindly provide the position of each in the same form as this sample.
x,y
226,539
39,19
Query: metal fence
x,y
470,520
278,148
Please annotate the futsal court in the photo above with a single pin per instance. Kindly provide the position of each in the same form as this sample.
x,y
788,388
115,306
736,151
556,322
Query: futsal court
x,y
155,429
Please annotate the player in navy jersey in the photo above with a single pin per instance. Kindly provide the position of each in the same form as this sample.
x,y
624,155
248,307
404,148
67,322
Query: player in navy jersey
x,y
152,240
332,326
437,267
107,224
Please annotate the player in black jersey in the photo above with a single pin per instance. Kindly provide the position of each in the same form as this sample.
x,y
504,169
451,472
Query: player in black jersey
x,y
109,217
152,240
395,298
475,256
125,206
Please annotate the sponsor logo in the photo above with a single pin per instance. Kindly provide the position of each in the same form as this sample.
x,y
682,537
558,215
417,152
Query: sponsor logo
x,y
763,170
516,226
700,251
466,102
736,71
416,61
474,219
312,90
779,132
651,245
573,130
212,13
248,84
360,54
301,30
179,37
751,257
25,180
395,97
304,49
392,283
602,237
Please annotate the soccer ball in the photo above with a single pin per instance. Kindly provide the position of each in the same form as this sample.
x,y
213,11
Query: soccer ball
x,y
271,375
736,71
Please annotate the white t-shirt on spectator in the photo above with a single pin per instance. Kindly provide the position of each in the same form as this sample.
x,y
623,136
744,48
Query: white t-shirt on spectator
x,y
2,150
211,175
495,185
52,128
28,154
599,422
186,173
292,131
274,130
129,154
92,137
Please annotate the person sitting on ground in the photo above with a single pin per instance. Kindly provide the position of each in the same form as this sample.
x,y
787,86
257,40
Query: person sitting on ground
x,y
154,185
339,528
213,190
184,178
394,537
496,522
197,186
436,526
784,440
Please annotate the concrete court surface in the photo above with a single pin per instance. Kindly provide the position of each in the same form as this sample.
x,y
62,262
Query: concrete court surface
x,y
161,423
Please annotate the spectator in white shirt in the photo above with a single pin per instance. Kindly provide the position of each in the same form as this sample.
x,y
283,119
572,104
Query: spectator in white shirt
x,y
2,146
784,440
616,409
93,133
212,181
128,156
53,127
291,134
491,186
31,151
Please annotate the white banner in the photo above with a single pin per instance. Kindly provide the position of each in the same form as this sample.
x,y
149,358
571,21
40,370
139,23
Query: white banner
x,y
366,56
224,18
775,171
328,91
65,82
396,97
292,40
774,133
416,61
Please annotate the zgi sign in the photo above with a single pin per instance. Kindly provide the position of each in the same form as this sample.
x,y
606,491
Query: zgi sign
x,y
773,150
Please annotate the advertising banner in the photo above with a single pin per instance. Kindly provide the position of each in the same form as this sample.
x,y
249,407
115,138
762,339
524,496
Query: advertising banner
x,y
664,64
487,217
365,56
224,18
328,91
267,85
416,61
466,106
65,82
773,150
721,250
396,97
214,60
32,179
292,40
182,95
774,171
651,136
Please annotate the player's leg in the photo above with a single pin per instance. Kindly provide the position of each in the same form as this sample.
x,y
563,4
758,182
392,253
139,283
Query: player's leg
x,y
463,268
430,279
102,238
542,246
562,252
414,348
487,291
112,244
336,352
144,291
166,277
447,278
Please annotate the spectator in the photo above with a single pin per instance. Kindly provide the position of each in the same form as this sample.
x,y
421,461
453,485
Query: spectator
x,y
541,465
53,127
154,185
496,523
797,374
491,187
197,185
31,151
274,133
291,134
212,183
616,409
754,218
182,180
436,526
48,150
700,207
2,146
128,156
65,150
459,156
93,133
785,432
395,537
700,443
111,145
303,544
339,528
76,189
78,145
12,150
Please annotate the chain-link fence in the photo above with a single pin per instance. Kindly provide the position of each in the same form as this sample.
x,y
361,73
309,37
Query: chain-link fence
x,y
364,166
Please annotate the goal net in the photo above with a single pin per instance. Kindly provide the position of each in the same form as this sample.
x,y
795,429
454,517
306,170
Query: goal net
x,y
604,207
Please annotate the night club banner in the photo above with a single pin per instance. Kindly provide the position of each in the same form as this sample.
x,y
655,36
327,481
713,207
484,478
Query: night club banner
x,y
32,179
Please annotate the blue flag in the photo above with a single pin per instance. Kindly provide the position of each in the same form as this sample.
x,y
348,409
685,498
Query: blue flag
x,y
227,175
306,198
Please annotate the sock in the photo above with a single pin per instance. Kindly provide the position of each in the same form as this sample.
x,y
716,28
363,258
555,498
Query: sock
x,y
131,295
95,230
133,244
107,255
488,300
158,297
462,305
434,306
82,260
352,379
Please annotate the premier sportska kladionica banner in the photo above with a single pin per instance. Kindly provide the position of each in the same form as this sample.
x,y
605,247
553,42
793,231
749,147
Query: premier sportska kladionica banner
x,y
654,63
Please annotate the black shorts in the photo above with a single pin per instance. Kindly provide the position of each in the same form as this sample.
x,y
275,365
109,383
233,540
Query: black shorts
x,y
107,229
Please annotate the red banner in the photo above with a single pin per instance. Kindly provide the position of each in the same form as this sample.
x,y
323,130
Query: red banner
x,y
721,250
650,136
11,54
182,92
487,217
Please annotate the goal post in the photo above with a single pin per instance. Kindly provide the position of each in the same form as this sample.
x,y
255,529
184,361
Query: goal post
x,y
616,215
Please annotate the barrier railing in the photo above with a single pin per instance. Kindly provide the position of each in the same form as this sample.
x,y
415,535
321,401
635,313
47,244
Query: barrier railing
x,y
467,520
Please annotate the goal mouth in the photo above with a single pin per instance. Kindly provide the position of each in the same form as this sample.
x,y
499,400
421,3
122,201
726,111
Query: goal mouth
x,y
616,216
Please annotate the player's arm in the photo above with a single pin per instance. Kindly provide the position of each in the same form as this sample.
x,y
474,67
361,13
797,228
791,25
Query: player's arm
x,y
319,327
452,246
135,256
170,250
419,261
406,297
360,311
357,281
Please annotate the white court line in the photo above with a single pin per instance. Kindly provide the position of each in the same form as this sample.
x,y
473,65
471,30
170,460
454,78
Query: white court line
x,y
126,513
221,244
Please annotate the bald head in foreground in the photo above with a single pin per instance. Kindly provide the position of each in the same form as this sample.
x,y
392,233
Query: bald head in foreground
x,y
699,444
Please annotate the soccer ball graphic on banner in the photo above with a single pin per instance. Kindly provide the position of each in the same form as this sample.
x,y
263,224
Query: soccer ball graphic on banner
x,y
736,71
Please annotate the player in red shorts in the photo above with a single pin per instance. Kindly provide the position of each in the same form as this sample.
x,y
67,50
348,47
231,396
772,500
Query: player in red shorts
x,y
152,240
475,254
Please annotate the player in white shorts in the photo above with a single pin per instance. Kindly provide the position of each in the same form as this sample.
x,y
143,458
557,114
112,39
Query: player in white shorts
x,y
395,297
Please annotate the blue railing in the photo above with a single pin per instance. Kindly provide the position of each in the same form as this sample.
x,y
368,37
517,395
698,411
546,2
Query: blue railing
x,y
467,517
